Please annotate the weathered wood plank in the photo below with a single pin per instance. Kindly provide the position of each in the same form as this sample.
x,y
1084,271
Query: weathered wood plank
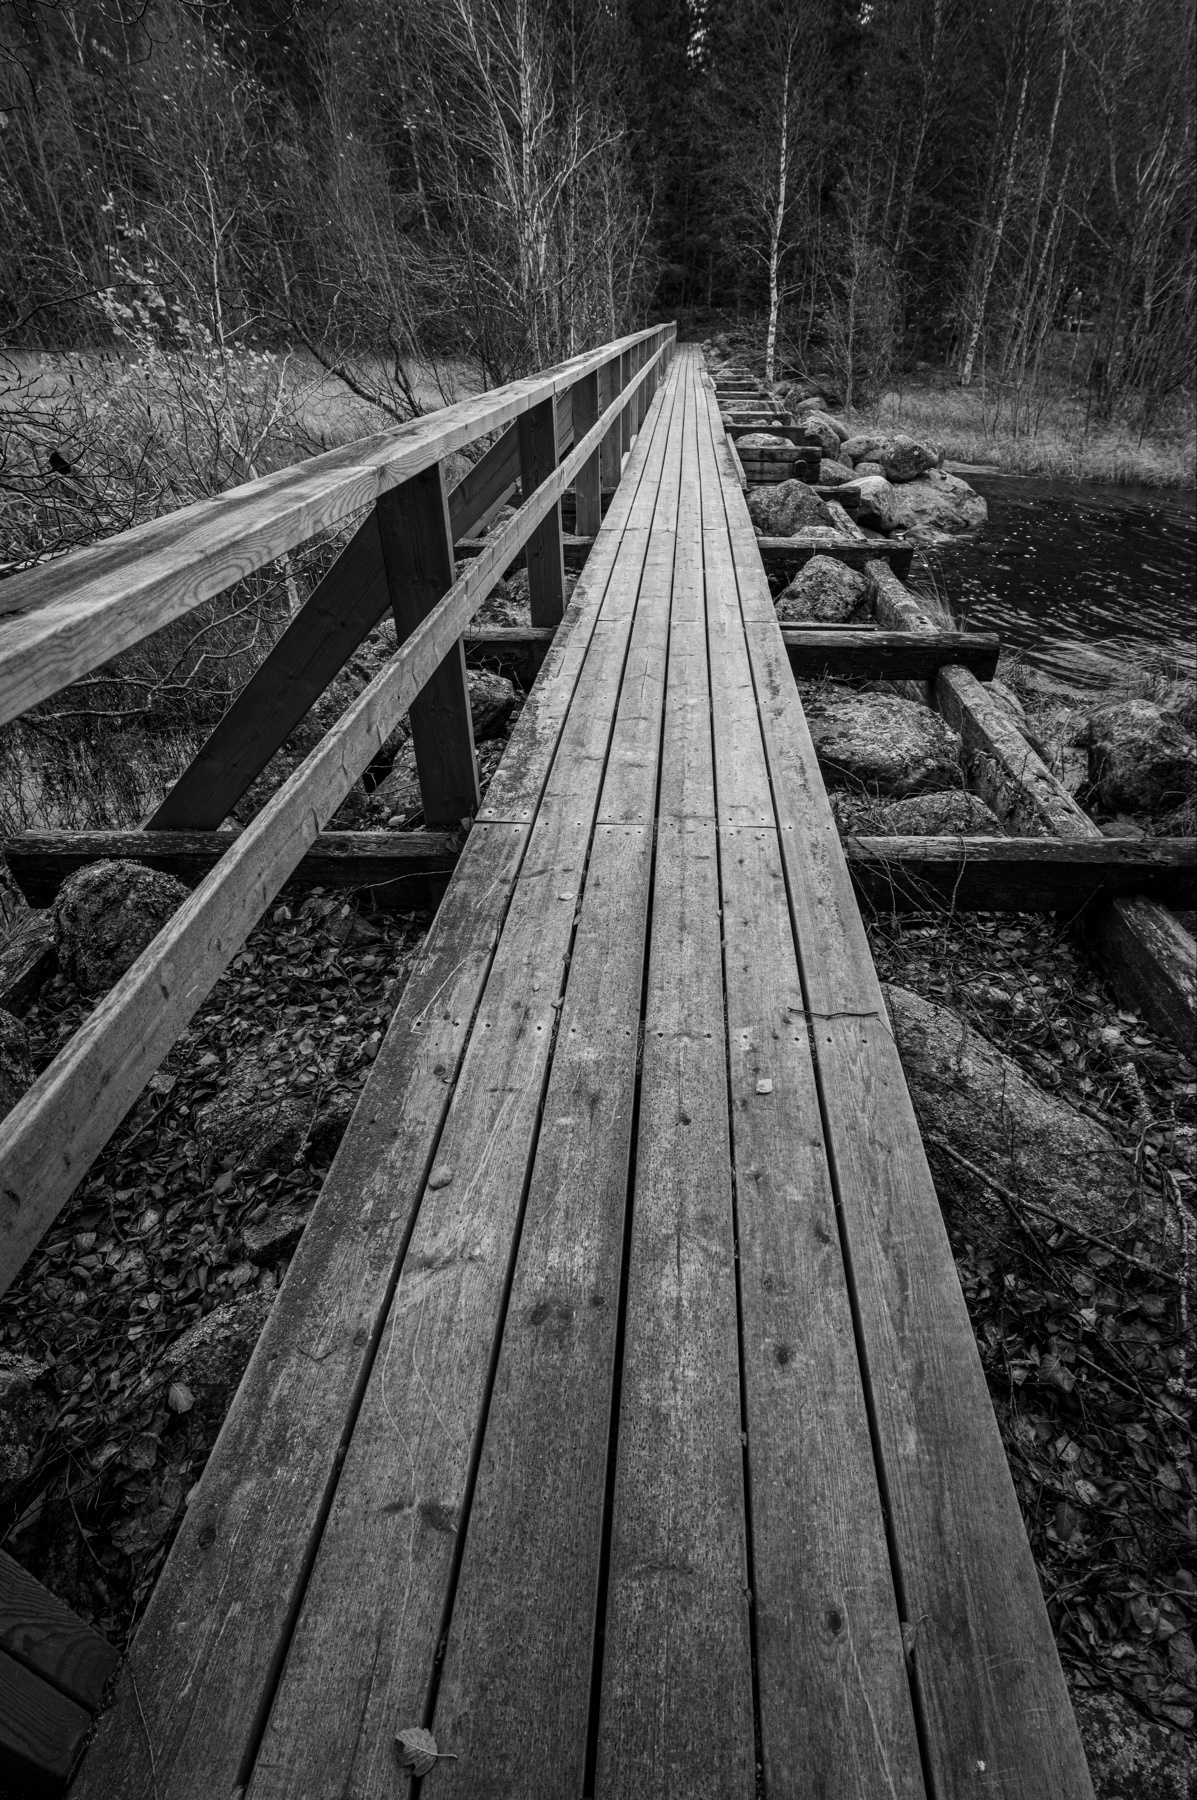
x,y
546,569
399,860
785,556
515,1691
204,1692
574,551
417,552
1019,874
68,617
48,1638
588,513
872,655
835,1712
987,1679
40,1732
1151,961
386,1561
676,1702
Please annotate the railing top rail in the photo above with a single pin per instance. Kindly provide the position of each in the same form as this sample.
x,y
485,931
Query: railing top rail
x,y
66,617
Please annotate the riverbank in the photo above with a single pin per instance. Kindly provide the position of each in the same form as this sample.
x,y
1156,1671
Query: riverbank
x,y
974,425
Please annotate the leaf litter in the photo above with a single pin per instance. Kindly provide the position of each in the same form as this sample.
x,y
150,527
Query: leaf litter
x,y
99,1456
1088,1348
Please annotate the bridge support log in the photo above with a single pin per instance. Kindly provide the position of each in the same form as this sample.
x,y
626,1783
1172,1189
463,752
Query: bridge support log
x,y
417,548
588,505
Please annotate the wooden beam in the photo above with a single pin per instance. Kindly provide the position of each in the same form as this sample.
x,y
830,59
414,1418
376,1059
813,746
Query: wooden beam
x,y
417,548
51,1136
36,1629
609,454
411,866
67,617
546,567
345,607
864,653
40,1732
574,551
1034,874
785,556
588,515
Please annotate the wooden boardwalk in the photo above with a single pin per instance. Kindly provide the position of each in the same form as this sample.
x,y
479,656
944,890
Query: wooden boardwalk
x,y
620,1418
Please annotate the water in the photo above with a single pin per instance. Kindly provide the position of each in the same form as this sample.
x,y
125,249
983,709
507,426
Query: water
x,y
1079,578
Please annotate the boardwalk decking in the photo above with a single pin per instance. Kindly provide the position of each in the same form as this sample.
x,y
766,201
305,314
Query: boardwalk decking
x,y
620,1418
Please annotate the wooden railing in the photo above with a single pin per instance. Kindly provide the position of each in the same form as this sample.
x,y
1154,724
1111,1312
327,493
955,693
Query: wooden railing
x,y
569,425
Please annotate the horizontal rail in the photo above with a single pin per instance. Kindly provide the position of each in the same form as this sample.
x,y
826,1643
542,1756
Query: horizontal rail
x,y
54,1132
60,621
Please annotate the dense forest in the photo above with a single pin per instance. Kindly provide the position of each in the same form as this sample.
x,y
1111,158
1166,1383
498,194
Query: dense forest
x,y
511,180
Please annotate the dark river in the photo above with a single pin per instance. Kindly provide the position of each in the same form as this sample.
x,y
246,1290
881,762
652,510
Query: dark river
x,y
1079,578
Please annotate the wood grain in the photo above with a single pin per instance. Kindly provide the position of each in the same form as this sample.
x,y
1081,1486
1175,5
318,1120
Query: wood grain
x,y
588,482
417,550
987,1679
1019,874
49,1639
40,1732
385,1565
546,569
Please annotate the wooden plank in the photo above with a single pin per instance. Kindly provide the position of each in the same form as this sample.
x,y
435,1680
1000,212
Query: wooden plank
x,y
574,551
517,650
342,610
588,482
835,1712
853,653
609,453
96,1078
546,570
1019,874
65,618
41,861
386,1562
40,1732
676,1712
26,959
303,1386
524,1610
986,1677
37,1630
625,416
417,549
785,556
1151,961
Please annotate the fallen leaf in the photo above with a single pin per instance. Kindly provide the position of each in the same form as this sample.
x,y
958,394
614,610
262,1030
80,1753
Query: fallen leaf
x,y
180,1398
417,1751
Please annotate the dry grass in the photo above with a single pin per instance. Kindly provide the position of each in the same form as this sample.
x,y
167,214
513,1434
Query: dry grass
x,y
974,426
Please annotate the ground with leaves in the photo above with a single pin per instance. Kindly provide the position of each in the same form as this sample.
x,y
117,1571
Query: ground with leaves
x,y
1088,1354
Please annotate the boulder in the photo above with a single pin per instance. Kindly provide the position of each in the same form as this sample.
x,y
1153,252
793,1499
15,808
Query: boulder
x,y
104,917
813,534
252,1126
998,1123
210,1357
16,1062
1135,1758
877,504
953,813
937,503
274,1235
832,473
905,458
492,701
882,743
779,510
825,589
863,444
820,430
864,468
1140,758
760,440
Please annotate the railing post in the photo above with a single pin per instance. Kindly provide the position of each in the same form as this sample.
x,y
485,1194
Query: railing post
x,y
417,549
609,458
546,564
625,417
588,481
